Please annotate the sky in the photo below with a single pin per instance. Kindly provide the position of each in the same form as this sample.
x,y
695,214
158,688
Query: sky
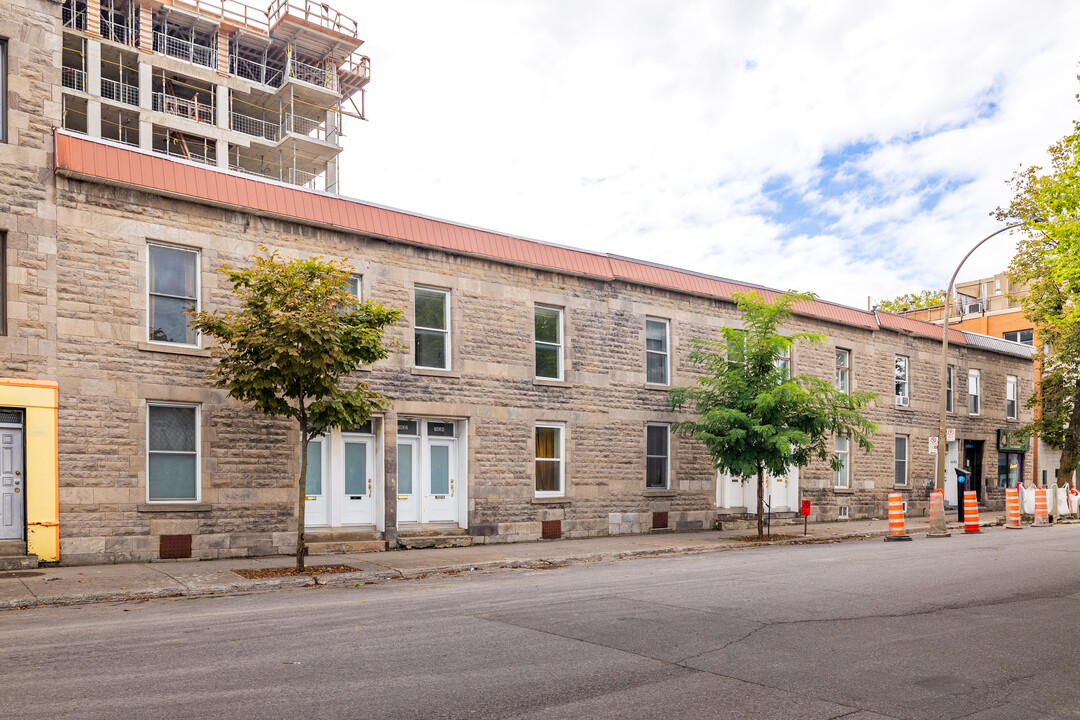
x,y
852,149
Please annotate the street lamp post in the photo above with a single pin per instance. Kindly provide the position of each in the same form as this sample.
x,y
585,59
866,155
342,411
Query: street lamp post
x,y
945,359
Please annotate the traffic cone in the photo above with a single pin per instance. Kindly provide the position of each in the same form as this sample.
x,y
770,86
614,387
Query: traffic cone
x,y
896,519
1012,508
1042,517
938,528
971,512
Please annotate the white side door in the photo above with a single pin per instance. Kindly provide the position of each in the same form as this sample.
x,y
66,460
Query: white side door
x,y
356,491
439,475
12,485
408,485
317,506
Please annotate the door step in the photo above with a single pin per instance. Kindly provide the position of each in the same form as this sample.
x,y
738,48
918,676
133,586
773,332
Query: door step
x,y
12,547
334,541
428,536
18,562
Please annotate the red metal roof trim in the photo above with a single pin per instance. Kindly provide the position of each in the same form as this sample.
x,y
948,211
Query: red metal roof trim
x,y
90,158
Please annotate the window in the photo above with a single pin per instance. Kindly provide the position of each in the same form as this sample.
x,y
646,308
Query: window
x,y
1010,469
3,91
843,370
172,450
656,351
901,460
313,476
782,361
352,284
949,371
431,320
973,392
842,475
173,290
1024,337
903,397
549,460
547,324
1010,397
656,456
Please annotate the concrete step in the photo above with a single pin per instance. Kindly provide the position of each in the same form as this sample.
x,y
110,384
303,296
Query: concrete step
x,y
345,546
433,537
12,547
18,562
329,535
430,530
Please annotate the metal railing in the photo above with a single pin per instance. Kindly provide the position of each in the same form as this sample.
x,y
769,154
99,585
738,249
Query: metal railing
x,y
120,32
312,74
358,66
233,13
307,180
75,19
255,127
301,125
195,157
74,79
185,50
178,106
313,12
255,71
119,91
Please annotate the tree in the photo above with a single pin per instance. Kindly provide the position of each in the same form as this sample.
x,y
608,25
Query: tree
x,y
752,417
1048,262
298,334
913,301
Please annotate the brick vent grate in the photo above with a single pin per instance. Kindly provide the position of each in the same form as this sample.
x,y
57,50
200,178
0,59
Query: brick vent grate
x,y
174,547
551,529
659,520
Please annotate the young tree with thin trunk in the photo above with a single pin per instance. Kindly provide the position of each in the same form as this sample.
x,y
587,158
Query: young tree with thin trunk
x,y
752,416
1047,262
298,335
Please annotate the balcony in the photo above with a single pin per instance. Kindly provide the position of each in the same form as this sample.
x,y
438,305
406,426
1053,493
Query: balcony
x,y
74,79
119,91
193,109
255,127
193,52
316,13
313,75
255,71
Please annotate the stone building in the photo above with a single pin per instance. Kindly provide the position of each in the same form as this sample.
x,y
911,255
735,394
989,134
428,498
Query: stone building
x,y
531,400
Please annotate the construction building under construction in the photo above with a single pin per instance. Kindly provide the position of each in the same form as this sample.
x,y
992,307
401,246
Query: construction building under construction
x,y
217,82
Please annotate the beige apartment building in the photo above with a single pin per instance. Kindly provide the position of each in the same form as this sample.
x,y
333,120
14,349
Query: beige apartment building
x,y
531,400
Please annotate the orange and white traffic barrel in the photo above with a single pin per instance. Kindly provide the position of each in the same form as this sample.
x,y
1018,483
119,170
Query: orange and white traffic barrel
x,y
896,519
1042,515
1012,508
971,512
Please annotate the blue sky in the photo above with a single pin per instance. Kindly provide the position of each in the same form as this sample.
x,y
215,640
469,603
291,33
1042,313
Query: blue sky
x,y
852,149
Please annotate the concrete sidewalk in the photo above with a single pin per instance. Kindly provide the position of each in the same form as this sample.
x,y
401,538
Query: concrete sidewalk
x,y
170,578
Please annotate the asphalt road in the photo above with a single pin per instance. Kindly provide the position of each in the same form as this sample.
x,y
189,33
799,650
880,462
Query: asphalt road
x,y
968,626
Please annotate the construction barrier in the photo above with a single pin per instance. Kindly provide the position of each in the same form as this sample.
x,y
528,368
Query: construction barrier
x,y
1042,515
938,527
1074,500
1027,500
896,519
1012,508
1061,502
971,512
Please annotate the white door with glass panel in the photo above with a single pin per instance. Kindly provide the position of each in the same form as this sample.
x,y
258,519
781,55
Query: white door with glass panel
x,y
429,489
440,505
357,486
317,507
408,486
12,485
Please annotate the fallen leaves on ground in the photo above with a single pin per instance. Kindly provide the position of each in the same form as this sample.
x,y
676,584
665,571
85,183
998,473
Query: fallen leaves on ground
x,y
262,573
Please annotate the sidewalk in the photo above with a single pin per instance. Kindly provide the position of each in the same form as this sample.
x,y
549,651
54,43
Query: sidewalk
x,y
104,583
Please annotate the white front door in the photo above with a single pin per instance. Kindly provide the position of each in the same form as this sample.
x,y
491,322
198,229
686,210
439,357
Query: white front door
x,y
356,491
781,494
952,461
408,485
317,506
12,485
440,470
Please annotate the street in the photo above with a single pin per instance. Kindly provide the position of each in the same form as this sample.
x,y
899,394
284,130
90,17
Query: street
x,y
979,626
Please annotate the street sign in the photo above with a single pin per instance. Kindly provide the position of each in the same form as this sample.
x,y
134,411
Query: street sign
x,y
950,435
933,445
805,507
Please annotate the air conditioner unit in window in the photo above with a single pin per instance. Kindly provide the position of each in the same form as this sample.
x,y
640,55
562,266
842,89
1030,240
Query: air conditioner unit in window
x,y
973,308
902,401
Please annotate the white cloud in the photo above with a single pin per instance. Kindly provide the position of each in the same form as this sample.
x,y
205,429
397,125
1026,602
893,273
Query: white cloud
x,y
649,129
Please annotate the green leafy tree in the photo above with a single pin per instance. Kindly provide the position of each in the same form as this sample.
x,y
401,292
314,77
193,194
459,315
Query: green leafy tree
x,y
752,416
1047,261
913,301
299,333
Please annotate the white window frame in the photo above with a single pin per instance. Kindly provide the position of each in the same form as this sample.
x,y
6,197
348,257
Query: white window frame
x,y
667,458
782,361
198,294
557,345
446,310
666,352
845,457
561,492
906,460
950,393
198,452
906,395
844,369
360,286
974,399
1011,396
